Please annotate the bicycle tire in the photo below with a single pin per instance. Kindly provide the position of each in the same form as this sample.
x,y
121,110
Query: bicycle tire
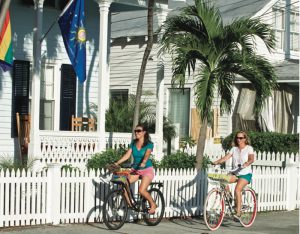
x,y
115,209
214,209
154,219
248,207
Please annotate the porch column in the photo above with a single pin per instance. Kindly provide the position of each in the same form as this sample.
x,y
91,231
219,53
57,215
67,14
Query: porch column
x,y
287,31
160,88
103,81
34,148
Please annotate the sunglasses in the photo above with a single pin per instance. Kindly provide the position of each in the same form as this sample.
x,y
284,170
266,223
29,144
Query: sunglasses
x,y
138,130
240,138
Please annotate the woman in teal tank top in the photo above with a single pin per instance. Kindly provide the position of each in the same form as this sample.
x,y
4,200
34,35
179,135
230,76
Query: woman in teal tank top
x,y
140,149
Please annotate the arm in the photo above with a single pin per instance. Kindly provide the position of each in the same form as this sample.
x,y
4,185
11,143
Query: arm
x,y
146,157
250,161
221,160
125,157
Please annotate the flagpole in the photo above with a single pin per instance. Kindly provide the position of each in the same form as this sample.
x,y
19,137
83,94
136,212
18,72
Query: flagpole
x,y
55,21
51,26
4,9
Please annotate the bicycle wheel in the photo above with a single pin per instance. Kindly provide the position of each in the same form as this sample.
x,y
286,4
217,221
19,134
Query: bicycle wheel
x,y
248,208
214,209
115,210
154,219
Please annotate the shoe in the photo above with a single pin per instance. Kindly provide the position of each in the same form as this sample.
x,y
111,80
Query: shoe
x,y
237,218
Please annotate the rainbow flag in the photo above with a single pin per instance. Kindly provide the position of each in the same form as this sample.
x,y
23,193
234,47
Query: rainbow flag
x,y
6,53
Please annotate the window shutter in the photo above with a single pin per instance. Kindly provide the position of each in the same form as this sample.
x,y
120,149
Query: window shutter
x,y
68,96
20,92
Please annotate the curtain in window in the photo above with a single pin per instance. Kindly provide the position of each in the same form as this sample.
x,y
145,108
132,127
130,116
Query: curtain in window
x,y
179,108
245,110
276,115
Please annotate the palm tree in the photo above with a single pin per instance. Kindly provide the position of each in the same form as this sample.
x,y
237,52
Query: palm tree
x,y
198,35
139,89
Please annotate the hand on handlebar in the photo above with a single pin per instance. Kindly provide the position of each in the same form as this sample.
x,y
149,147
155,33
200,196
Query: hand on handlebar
x,y
136,166
235,171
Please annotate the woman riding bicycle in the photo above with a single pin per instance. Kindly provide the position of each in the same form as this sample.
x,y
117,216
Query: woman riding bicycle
x,y
242,156
141,148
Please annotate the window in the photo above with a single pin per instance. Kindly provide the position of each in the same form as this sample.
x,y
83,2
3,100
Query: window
x,y
119,95
279,22
58,4
47,98
179,109
294,39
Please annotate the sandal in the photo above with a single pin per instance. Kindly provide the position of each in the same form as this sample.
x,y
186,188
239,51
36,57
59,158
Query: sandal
x,y
152,211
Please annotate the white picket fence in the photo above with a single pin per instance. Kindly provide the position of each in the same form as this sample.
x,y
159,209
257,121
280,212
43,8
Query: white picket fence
x,y
56,196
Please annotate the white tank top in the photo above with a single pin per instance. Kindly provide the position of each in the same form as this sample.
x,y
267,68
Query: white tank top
x,y
240,157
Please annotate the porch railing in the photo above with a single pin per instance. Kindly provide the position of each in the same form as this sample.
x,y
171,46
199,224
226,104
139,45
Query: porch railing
x,y
68,147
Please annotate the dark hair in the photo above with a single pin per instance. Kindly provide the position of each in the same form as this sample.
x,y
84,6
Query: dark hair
x,y
147,138
247,141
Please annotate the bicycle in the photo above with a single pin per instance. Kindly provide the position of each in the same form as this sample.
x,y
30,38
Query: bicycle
x,y
219,201
117,204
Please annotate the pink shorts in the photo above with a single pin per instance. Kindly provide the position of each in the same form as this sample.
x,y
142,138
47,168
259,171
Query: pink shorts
x,y
145,172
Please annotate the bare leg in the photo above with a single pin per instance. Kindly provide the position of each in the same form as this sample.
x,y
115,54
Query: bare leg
x,y
143,191
132,179
232,179
241,183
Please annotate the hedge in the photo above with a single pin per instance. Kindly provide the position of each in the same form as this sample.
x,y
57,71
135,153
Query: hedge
x,y
268,142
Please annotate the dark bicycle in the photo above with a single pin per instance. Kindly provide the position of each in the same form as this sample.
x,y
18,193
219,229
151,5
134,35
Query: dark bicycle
x,y
121,199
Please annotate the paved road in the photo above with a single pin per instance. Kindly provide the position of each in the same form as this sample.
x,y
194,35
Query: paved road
x,y
265,223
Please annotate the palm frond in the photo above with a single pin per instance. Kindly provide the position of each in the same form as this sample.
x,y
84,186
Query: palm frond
x,y
259,72
210,17
243,31
204,91
225,84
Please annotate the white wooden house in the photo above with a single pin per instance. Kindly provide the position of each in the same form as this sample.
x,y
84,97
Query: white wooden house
x,y
43,83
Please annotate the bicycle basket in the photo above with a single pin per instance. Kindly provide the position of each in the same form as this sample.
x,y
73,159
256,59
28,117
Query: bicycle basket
x,y
123,172
219,177
119,179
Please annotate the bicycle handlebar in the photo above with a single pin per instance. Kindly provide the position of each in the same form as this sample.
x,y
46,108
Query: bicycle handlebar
x,y
235,171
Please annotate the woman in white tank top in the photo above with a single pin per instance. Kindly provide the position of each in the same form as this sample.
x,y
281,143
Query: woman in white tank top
x,y
242,156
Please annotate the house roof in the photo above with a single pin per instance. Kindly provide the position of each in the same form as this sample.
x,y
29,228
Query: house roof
x,y
134,23
286,70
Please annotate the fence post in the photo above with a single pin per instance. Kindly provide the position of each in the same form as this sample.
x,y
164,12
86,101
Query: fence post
x,y
53,193
291,188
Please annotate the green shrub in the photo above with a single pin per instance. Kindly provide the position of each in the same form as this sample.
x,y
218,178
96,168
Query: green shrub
x,y
268,142
178,160
100,160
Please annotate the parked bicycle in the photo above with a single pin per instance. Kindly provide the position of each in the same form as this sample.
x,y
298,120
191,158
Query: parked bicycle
x,y
219,201
121,199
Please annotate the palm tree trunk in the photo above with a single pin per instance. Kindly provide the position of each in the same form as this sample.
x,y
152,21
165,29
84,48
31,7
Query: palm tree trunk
x,y
144,64
201,144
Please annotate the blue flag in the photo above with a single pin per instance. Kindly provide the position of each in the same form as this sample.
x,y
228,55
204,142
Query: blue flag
x,y
71,23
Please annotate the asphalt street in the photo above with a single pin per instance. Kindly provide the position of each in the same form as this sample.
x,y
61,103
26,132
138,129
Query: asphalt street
x,y
265,223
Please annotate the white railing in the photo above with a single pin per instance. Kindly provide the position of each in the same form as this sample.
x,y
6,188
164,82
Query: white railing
x,y
67,147
55,196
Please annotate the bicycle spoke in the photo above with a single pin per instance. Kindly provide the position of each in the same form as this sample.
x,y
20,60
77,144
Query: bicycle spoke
x,y
154,219
248,208
115,210
214,209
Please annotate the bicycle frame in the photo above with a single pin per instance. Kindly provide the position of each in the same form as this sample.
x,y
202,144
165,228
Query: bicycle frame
x,y
132,202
